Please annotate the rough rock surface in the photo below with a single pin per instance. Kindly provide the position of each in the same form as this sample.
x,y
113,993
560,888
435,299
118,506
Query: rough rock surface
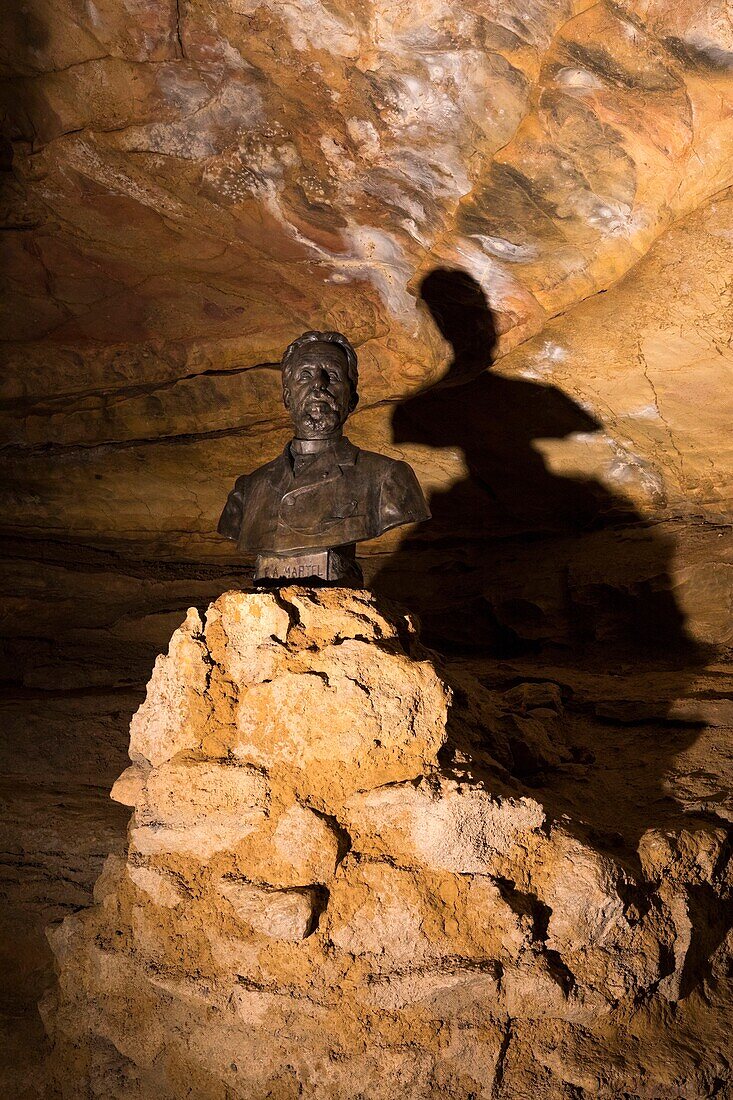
x,y
326,894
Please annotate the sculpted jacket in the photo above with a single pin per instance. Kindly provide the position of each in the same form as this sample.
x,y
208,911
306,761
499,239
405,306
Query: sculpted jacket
x,y
342,495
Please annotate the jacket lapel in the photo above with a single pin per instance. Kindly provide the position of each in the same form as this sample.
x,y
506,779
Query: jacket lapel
x,y
317,499
280,474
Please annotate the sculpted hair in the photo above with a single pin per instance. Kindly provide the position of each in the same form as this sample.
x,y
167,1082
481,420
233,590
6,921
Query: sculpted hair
x,y
292,351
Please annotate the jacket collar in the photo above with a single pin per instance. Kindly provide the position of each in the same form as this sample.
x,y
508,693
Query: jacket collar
x,y
343,451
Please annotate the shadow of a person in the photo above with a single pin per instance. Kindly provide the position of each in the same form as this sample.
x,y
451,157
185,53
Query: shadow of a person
x,y
556,587
479,573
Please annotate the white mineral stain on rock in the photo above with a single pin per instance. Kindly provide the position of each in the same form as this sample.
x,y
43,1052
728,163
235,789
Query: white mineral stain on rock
x,y
93,13
313,25
365,135
543,362
628,468
208,130
379,257
615,218
183,90
336,154
588,439
88,161
643,412
497,282
718,54
506,250
578,80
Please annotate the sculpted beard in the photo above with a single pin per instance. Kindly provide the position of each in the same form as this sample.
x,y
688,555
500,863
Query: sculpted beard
x,y
320,413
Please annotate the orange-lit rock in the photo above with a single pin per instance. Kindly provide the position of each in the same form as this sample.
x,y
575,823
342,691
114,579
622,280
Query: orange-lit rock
x,y
194,184
253,943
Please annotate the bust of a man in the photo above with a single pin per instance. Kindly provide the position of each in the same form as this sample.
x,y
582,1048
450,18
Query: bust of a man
x,y
303,513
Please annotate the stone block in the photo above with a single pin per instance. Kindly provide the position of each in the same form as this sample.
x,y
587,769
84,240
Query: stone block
x,y
458,827
280,914
322,894
173,717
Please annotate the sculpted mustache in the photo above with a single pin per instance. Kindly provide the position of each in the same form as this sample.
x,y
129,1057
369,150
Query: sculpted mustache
x,y
321,396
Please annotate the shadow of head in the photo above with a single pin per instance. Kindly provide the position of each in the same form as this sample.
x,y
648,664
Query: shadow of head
x,y
462,315
473,407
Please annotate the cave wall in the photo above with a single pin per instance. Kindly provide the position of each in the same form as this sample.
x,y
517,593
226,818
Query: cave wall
x,y
189,185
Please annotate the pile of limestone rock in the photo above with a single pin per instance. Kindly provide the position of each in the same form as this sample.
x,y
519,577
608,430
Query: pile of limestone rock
x,y
317,900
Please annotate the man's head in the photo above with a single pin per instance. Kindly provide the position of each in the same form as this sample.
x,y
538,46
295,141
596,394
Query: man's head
x,y
320,378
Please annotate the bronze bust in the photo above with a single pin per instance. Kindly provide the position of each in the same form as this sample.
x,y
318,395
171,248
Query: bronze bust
x,y
303,513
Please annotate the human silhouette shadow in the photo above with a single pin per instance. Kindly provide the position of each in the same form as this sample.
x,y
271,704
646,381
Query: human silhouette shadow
x,y
557,577
476,570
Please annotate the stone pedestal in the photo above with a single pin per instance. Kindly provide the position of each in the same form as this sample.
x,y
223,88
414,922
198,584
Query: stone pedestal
x,y
311,905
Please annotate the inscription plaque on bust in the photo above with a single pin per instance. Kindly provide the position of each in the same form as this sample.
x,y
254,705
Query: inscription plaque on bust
x,y
303,513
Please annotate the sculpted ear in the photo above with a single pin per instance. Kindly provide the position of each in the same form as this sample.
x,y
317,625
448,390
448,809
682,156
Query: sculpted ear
x,y
354,400
286,396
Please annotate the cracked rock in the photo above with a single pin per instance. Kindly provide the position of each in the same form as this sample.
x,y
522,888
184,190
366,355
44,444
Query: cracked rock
x,y
308,893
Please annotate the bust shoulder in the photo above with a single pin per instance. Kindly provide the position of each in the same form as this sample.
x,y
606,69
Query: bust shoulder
x,y
372,458
401,499
383,465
